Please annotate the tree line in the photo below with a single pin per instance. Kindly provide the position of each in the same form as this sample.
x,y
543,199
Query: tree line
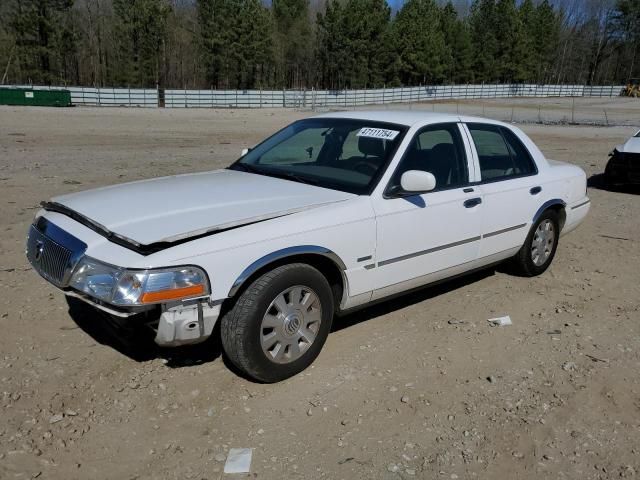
x,y
332,44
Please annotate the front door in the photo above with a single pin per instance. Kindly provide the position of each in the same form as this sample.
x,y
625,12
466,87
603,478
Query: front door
x,y
422,238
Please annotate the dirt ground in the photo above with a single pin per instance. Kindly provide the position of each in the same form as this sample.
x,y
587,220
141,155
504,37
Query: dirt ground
x,y
419,387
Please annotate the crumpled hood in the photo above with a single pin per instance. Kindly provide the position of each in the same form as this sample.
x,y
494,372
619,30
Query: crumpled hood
x,y
173,208
631,146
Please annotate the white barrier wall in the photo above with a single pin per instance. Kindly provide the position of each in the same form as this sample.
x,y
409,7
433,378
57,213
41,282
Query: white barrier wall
x,y
152,98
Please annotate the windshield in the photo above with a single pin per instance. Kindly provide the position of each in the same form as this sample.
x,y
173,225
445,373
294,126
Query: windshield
x,y
343,154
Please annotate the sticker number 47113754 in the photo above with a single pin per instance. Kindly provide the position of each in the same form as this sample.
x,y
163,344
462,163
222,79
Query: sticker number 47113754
x,y
380,133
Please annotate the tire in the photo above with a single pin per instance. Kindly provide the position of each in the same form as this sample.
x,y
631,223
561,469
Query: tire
x,y
267,333
529,262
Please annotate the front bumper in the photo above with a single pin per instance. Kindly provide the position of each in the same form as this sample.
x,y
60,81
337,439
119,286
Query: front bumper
x,y
187,324
53,253
178,325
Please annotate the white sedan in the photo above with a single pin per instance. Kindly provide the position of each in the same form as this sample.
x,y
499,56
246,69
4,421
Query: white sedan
x,y
329,214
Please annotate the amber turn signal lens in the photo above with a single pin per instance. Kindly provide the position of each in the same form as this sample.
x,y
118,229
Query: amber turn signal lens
x,y
153,297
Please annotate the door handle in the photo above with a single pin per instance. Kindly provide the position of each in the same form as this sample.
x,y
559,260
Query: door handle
x,y
468,190
472,202
535,190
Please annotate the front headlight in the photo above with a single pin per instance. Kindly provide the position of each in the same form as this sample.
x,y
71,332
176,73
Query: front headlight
x,y
122,287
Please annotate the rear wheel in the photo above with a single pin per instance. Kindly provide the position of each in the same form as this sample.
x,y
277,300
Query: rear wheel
x,y
540,246
279,324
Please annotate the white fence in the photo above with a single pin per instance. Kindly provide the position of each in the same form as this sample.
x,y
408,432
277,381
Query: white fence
x,y
311,98
107,97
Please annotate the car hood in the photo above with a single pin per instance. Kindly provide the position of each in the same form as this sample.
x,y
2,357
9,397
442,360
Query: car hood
x,y
631,146
175,208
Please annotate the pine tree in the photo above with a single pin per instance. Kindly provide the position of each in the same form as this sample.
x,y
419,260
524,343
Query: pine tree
x,y
546,38
331,45
458,61
292,41
419,43
41,36
482,24
352,48
509,36
235,42
141,33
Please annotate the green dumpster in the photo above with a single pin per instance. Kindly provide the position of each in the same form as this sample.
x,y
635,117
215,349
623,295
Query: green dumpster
x,y
39,98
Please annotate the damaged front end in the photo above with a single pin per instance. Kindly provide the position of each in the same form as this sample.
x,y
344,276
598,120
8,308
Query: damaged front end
x,y
623,168
174,301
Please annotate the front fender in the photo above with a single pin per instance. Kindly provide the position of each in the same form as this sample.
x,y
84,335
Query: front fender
x,y
282,254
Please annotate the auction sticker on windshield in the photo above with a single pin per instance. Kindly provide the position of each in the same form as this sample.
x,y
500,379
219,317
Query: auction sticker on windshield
x,y
377,133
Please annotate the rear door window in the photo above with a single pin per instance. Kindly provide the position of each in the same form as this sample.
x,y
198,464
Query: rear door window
x,y
500,153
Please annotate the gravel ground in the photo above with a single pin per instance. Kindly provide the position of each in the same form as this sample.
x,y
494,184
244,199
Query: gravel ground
x,y
419,387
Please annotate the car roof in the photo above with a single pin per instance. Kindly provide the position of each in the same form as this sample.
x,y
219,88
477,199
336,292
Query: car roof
x,y
406,117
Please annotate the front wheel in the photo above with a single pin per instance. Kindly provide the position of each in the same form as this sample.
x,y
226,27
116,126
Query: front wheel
x,y
539,248
279,324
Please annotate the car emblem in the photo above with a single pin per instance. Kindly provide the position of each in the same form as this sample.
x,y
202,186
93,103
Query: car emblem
x,y
39,251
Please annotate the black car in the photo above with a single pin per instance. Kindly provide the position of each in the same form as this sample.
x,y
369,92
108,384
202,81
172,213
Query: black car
x,y
624,165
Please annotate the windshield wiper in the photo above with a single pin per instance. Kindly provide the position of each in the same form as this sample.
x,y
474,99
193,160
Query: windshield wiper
x,y
290,176
247,167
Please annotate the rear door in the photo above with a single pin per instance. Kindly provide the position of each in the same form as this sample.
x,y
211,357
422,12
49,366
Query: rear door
x,y
510,187
420,238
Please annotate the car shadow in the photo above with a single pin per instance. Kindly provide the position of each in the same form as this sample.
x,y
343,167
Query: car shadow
x,y
404,300
134,339
598,181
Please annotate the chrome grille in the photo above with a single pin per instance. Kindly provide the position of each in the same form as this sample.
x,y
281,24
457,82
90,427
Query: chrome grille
x,y
52,252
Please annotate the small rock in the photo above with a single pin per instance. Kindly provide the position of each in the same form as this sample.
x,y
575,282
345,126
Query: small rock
x,y
393,468
628,471
410,471
309,413
491,379
260,431
56,418
220,457
569,366
404,399
70,413
344,422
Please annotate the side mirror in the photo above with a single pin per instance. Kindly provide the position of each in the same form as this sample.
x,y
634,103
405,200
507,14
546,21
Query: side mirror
x,y
417,181
245,151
